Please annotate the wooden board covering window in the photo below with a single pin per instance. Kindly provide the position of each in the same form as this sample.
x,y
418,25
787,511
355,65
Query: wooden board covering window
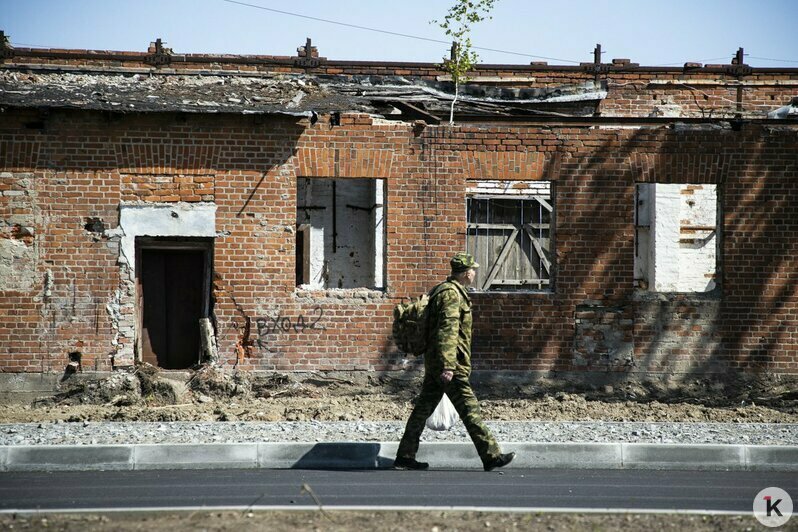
x,y
510,237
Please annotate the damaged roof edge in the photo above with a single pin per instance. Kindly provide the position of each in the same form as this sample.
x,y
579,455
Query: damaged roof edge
x,y
290,94
204,111
550,119
303,95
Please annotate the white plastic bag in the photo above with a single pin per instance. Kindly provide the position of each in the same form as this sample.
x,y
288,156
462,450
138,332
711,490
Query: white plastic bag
x,y
444,417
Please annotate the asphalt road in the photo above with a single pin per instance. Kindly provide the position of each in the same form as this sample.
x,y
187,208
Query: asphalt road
x,y
712,491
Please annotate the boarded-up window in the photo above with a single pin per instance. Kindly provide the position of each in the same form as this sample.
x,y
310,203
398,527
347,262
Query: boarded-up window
x,y
510,234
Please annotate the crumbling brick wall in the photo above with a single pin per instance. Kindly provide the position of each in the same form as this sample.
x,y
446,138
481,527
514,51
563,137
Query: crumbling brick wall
x,y
63,185
62,189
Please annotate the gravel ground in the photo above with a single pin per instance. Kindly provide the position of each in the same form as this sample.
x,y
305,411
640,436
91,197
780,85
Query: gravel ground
x,y
218,407
106,433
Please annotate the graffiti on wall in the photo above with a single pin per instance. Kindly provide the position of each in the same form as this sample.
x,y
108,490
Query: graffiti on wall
x,y
286,324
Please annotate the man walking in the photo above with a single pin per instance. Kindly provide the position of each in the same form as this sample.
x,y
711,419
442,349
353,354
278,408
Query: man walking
x,y
447,367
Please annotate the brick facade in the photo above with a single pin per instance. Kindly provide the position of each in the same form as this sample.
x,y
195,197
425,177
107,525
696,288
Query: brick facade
x,y
64,176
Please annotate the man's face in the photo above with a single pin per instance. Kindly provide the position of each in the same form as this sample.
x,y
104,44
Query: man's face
x,y
469,276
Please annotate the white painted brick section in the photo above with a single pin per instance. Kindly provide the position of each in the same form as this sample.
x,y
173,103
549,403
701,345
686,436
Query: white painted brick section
x,y
665,240
682,255
697,259
509,188
378,223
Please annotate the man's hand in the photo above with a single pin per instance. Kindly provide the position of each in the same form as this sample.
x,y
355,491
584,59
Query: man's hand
x,y
447,376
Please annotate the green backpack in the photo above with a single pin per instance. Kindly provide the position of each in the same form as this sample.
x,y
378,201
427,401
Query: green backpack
x,y
410,326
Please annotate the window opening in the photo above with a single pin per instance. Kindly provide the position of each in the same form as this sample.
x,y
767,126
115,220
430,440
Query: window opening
x,y
676,230
509,232
340,233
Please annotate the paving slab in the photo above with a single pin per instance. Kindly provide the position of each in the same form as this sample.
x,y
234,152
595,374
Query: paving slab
x,y
567,455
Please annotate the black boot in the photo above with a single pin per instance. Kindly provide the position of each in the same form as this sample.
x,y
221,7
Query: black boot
x,y
500,461
409,463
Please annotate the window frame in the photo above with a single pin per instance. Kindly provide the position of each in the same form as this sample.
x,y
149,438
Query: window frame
x,y
545,257
644,285
305,226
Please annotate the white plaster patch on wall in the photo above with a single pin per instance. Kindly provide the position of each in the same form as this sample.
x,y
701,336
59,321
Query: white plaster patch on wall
x,y
351,262
667,108
316,258
172,219
152,220
345,217
113,308
17,265
664,259
22,221
697,237
378,224
312,255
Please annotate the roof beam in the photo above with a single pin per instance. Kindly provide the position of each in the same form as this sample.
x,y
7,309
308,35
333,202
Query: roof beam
x,y
415,112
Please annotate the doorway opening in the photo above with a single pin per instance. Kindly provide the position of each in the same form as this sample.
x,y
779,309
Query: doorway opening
x,y
173,278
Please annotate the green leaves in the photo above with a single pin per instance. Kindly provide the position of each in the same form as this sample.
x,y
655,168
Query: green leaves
x,y
457,25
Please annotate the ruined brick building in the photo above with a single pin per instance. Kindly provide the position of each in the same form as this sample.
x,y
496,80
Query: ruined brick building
x,y
631,219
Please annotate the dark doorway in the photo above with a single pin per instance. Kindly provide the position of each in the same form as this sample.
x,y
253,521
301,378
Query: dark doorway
x,y
173,287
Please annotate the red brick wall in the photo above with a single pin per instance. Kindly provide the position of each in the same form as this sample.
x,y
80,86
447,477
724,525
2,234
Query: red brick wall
x,y
65,178
81,165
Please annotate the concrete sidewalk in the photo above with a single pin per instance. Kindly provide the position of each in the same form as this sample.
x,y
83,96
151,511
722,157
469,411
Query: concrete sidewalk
x,y
374,455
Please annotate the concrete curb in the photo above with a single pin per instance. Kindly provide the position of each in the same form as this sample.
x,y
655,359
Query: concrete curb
x,y
376,455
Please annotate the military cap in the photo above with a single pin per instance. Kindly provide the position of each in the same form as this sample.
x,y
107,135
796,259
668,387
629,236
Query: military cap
x,y
462,262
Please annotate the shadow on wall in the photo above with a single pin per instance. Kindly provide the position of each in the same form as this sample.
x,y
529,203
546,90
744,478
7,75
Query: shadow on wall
x,y
252,178
757,258
759,315
746,324
165,158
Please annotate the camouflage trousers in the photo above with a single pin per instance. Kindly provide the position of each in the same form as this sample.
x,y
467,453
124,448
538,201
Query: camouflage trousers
x,y
465,402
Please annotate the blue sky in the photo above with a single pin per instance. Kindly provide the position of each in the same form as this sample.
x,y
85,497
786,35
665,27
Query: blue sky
x,y
665,32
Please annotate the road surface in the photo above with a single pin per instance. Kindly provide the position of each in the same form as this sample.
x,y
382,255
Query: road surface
x,y
527,489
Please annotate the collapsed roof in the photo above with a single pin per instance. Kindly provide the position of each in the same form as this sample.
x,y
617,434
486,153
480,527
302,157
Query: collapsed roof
x,y
393,97
785,112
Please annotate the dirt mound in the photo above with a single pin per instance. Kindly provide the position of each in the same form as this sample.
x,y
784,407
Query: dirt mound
x,y
211,394
214,382
145,384
120,388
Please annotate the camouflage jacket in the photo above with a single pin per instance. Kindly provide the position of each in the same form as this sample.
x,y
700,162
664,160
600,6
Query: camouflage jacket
x,y
449,329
